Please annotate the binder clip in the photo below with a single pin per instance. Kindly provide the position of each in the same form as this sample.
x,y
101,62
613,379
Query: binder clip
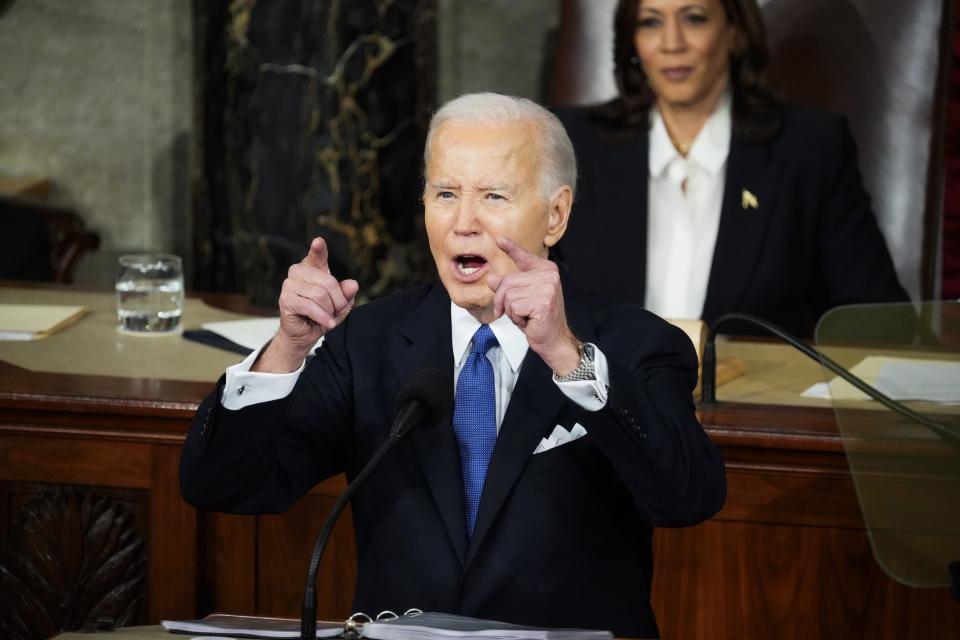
x,y
353,626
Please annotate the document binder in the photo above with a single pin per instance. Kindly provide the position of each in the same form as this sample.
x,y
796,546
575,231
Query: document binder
x,y
412,625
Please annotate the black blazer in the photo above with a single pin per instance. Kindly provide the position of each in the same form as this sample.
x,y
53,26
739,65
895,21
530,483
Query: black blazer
x,y
562,538
811,244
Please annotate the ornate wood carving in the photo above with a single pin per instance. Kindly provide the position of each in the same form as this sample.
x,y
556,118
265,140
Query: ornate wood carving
x,y
72,557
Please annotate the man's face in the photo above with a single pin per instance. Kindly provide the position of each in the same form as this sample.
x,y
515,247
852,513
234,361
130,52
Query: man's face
x,y
483,181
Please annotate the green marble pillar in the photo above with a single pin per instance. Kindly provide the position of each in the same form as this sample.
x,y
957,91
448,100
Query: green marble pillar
x,y
310,120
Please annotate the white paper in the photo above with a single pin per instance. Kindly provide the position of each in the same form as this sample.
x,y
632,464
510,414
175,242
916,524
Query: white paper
x,y
933,381
247,333
251,334
821,390
900,378
249,627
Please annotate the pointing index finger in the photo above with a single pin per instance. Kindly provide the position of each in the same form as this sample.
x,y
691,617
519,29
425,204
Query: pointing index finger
x,y
524,260
317,255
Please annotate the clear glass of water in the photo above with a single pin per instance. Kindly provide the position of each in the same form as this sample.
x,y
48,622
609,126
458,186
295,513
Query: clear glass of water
x,y
149,293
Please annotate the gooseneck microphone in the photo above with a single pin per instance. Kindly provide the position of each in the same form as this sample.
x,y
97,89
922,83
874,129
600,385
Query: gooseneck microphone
x,y
708,380
424,400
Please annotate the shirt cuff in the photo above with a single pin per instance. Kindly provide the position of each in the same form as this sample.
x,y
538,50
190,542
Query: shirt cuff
x,y
244,387
590,394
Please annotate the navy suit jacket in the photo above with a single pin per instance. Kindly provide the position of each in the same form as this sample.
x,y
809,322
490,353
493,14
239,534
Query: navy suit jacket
x,y
562,538
811,244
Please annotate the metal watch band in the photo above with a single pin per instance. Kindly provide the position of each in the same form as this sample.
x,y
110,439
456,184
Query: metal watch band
x,y
585,370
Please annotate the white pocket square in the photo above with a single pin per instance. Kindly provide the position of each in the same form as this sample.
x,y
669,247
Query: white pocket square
x,y
560,436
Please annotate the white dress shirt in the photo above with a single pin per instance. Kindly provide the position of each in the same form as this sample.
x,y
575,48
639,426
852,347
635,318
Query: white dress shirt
x,y
683,213
507,356
243,387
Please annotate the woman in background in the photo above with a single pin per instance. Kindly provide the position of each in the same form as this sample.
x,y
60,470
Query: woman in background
x,y
700,194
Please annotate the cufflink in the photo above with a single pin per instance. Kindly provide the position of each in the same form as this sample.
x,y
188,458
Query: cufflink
x,y
242,388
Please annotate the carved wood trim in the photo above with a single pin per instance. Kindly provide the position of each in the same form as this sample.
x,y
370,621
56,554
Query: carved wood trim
x,y
72,557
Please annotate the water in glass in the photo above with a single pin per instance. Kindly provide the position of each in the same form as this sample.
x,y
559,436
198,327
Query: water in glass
x,y
149,295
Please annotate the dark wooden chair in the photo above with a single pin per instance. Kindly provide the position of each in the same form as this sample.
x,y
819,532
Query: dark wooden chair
x,y
25,244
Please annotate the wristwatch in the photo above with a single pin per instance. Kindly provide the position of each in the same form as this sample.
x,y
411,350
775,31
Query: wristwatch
x,y
585,370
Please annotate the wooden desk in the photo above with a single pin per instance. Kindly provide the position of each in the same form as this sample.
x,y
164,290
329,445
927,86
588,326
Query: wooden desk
x,y
152,632
787,557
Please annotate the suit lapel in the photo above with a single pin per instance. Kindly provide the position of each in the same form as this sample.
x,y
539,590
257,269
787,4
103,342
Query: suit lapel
x,y
749,200
534,406
424,340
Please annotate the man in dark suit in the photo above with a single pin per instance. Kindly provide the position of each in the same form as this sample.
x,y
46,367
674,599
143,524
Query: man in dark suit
x,y
573,430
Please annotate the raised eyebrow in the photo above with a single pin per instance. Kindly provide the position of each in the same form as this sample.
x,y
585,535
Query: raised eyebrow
x,y
443,186
500,186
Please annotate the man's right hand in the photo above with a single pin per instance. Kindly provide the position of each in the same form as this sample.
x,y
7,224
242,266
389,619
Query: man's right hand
x,y
312,302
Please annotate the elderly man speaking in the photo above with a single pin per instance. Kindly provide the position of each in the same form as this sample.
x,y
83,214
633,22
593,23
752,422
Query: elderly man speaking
x,y
573,431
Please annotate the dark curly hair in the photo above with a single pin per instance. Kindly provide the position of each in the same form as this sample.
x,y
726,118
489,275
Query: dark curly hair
x,y
755,114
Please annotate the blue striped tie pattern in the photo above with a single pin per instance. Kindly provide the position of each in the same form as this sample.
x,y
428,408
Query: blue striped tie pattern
x,y
475,419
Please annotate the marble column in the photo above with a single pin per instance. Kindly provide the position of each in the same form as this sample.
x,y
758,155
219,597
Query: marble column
x,y
310,121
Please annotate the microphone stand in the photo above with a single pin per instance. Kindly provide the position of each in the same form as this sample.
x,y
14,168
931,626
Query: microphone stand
x,y
308,621
708,382
419,403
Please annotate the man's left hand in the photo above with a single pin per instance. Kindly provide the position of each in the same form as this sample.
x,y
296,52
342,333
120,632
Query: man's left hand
x,y
533,299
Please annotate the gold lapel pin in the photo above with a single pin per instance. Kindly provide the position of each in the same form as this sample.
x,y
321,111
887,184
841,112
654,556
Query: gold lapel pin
x,y
749,200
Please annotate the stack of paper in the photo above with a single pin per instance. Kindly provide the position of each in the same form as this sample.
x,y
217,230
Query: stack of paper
x,y
899,378
413,626
221,624
435,626
35,321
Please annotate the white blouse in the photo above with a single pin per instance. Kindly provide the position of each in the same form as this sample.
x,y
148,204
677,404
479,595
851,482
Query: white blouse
x,y
683,213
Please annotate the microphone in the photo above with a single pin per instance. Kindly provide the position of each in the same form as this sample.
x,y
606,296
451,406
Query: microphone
x,y
708,379
424,400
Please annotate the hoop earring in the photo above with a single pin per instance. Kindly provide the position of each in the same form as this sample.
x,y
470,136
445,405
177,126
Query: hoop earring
x,y
635,61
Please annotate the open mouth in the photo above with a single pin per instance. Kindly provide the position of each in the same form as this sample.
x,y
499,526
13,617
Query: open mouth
x,y
676,74
468,264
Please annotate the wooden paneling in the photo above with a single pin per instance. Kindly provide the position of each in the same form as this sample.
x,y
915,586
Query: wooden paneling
x,y
74,461
787,557
228,569
788,495
742,580
284,549
173,543
73,431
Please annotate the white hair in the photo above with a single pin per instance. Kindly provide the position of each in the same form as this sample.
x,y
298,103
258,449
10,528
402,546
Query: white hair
x,y
558,164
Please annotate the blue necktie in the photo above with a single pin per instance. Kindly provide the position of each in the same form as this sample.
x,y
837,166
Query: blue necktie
x,y
475,419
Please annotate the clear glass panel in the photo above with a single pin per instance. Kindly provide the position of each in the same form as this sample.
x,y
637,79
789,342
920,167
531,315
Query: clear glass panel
x,y
907,477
